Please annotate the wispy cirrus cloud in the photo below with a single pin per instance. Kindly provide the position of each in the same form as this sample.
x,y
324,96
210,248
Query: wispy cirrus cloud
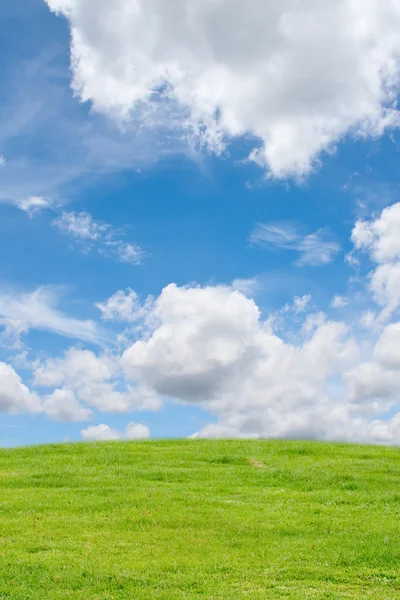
x,y
40,310
89,234
50,146
315,249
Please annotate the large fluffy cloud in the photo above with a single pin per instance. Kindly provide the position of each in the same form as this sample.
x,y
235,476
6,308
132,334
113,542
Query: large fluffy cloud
x,y
209,346
296,75
212,347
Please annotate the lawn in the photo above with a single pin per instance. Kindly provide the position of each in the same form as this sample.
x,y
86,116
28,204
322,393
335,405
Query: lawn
x,y
200,519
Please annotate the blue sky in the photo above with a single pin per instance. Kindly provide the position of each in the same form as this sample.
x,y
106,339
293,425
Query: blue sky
x,y
191,240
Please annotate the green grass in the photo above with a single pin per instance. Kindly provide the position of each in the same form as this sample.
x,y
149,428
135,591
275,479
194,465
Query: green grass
x,y
200,519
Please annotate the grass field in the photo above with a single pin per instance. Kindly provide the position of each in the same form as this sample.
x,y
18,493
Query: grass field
x,y
200,519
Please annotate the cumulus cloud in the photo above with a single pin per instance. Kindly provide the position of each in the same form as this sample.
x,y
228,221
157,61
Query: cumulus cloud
x,y
209,346
387,350
133,431
373,385
15,397
95,380
39,310
89,234
297,77
123,307
136,431
380,236
62,406
76,368
380,239
100,433
314,250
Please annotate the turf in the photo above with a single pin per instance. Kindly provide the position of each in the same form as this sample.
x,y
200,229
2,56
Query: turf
x,y
200,519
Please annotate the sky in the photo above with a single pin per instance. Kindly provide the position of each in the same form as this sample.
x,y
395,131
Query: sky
x,y
199,220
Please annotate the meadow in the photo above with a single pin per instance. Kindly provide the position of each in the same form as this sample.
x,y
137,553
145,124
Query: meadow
x,y
200,519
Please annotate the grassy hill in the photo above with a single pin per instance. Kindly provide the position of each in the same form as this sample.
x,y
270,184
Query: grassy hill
x,y
200,519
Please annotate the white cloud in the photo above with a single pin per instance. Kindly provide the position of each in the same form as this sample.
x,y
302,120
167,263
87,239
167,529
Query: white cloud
x,y
81,226
380,239
339,301
95,380
15,397
38,310
301,303
387,350
297,76
33,204
123,307
133,431
248,287
12,332
208,346
100,433
2,161
76,368
106,397
315,249
128,253
89,234
373,386
385,285
62,406
275,235
136,431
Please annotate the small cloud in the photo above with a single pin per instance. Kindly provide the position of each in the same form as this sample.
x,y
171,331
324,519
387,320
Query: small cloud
x,y
90,234
136,431
352,261
247,287
274,235
80,226
315,249
2,161
102,433
124,307
34,204
125,252
369,320
300,303
339,302
12,332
